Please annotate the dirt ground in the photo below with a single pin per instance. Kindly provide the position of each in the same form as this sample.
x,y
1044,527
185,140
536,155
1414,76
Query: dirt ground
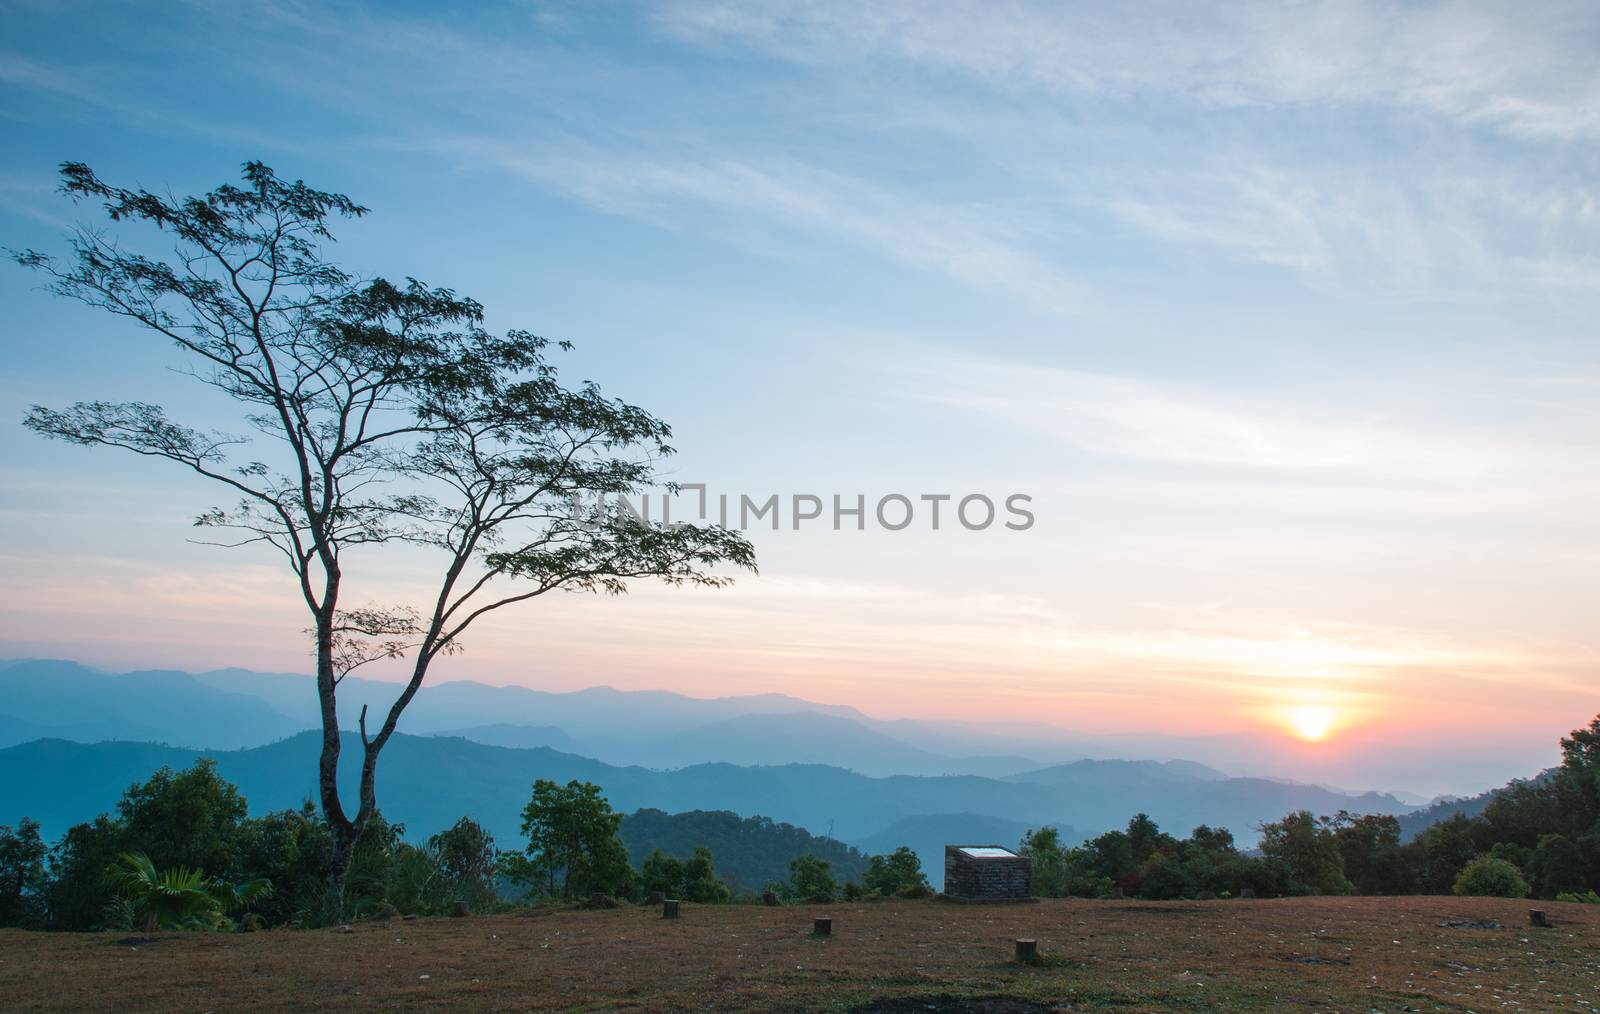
x,y
1326,954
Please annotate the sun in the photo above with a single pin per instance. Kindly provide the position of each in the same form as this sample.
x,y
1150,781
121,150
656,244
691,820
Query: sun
x,y
1311,722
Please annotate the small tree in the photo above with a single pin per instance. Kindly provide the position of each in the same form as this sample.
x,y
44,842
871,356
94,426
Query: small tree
x,y
1370,848
662,873
1306,850
1047,860
896,875
390,414
573,845
700,881
811,877
22,873
1488,877
466,856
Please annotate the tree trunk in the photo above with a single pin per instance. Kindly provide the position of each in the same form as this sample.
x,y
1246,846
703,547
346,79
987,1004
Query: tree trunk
x,y
345,833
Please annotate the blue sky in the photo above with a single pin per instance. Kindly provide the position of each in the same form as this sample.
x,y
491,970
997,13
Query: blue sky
x,y
1282,313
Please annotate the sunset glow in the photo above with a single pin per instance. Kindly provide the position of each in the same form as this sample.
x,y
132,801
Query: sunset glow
x,y
1312,722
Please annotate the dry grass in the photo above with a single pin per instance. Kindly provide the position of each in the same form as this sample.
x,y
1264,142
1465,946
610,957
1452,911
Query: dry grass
x,y
1357,954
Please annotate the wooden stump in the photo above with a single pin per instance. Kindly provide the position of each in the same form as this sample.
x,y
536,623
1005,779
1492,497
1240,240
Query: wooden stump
x,y
1027,952
769,899
669,908
460,910
1536,917
822,928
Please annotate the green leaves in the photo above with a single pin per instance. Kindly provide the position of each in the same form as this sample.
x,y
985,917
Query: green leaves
x,y
573,847
180,897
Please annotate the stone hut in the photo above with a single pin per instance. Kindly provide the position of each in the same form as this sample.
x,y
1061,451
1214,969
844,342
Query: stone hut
x,y
986,873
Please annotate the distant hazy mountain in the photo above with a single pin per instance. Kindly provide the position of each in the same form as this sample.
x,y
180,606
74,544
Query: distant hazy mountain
x,y
427,782
1121,773
236,708
518,737
806,738
654,729
41,698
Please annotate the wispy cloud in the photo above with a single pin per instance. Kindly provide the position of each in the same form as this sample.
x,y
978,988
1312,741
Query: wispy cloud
x,y
981,244
1482,64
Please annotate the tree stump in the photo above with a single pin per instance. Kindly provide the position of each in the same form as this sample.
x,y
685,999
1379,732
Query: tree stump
x,y
1536,917
769,899
1027,952
669,908
822,927
460,910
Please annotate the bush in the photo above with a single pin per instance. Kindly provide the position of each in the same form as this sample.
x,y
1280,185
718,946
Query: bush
x,y
897,875
1488,877
811,878
1586,898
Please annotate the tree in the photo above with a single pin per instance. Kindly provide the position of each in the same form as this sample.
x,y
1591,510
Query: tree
x,y
1145,838
662,873
290,848
1557,866
390,414
1306,850
700,881
1047,860
1370,849
465,856
573,846
1441,852
897,875
1488,877
22,873
810,877
1060,872
191,818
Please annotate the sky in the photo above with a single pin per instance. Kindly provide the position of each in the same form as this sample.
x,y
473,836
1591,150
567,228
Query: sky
x,y
1282,314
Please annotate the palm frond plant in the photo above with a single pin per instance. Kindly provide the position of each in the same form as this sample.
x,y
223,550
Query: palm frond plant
x,y
180,898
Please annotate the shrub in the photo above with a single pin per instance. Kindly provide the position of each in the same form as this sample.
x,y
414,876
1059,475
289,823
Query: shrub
x,y
1488,877
1586,898
811,878
896,875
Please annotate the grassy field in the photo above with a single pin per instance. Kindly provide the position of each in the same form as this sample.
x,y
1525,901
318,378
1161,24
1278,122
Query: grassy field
x,y
1348,954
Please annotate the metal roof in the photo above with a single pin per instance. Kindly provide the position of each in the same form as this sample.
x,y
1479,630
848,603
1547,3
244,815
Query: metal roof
x,y
988,852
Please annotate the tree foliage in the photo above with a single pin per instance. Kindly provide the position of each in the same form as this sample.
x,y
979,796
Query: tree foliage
x,y
751,851
811,877
897,875
573,847
1489,877
22,874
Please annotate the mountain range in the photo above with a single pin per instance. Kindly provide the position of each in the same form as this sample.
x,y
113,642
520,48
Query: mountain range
x,y
75,738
